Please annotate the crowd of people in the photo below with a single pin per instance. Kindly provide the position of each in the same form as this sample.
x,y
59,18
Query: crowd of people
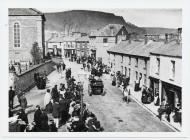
x,y
63,105
122,81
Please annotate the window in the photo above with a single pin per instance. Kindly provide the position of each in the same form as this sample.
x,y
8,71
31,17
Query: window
x,y
122,69
129,72
105,40
145,64
125,71
136,62
158,65
136,73
16,35
173,69
129,60
144,79
121,59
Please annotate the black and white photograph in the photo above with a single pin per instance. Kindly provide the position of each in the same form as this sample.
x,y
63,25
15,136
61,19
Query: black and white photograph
x,y
94,71
84,69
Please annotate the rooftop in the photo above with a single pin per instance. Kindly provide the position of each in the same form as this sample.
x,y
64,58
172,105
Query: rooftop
x,y
83,39
171,49
24,12
137,48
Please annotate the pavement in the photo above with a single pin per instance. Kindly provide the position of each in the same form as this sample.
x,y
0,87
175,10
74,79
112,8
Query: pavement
x,y
113,114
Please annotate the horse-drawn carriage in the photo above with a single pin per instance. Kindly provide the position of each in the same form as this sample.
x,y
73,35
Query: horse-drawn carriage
x,y
95,86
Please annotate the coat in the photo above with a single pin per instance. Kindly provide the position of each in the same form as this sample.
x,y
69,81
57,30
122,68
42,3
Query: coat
x,y
11,94
44,122
23,102
37,117
56,109
47,98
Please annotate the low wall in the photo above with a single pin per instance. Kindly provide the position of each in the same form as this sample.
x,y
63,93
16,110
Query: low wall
x,y
25,81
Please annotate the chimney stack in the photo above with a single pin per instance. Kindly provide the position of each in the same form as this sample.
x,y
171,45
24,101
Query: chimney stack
x,y
146,39
179,31
166,38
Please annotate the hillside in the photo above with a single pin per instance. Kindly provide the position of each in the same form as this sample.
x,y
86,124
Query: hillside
x,y
84,21
158,30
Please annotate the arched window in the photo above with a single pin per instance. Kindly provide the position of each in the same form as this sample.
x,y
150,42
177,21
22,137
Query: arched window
x,y
16,35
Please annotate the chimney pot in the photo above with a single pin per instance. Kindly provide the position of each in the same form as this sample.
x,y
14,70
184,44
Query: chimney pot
x,y
146,39
166,38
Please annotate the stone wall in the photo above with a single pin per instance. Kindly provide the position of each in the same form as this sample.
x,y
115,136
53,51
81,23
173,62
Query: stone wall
x,y
25,81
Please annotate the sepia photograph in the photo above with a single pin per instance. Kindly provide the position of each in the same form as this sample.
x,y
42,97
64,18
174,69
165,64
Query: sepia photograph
x,y
95,70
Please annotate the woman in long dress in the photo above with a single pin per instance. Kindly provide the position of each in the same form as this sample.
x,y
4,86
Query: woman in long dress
x,y
47,97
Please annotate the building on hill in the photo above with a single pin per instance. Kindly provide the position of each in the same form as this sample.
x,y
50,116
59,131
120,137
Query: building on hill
x,y
26,28
106,37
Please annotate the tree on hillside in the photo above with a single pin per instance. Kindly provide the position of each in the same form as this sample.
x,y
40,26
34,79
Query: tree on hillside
x,y
36,53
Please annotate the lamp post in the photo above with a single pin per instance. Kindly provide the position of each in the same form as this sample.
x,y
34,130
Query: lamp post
x,y
82,77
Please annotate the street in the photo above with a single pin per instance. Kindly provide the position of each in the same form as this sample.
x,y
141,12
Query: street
x,y
113,114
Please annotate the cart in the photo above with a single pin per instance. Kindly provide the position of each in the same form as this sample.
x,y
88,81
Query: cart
x,y
95,87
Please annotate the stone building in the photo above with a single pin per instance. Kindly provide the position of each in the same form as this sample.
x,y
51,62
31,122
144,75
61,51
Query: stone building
x,y
82,46
132,59
106,37
26,26
69,44
166,70
55,46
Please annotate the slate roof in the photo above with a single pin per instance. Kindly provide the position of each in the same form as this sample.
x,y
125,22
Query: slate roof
x,y
137,48
83,39
24,12
69,38
106,31
56,39
171,49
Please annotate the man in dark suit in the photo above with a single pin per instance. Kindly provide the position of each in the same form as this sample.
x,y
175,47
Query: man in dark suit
x,y
37,118
55,93
11,97
64,108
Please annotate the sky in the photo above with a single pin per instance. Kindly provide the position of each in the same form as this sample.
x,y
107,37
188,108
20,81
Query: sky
x,y
168,18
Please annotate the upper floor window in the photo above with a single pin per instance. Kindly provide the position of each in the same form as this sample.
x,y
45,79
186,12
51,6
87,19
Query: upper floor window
x,y
136,62
129,60
173,69
145,64
158,65
136,75
105,40
16,35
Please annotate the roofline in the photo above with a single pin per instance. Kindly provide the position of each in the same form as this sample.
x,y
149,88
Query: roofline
x,y
147,57
165,55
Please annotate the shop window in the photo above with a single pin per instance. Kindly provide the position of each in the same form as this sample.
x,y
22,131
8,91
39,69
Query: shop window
x,y
16,35
144,79
105,40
